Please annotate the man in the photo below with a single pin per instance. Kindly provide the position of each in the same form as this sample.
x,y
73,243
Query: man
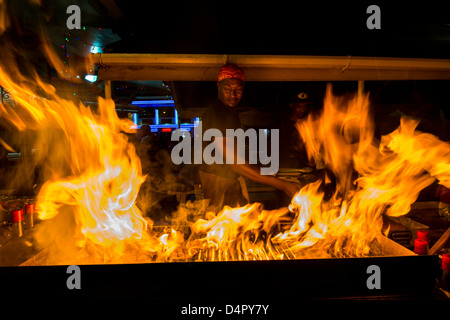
x,y
292,148
221,183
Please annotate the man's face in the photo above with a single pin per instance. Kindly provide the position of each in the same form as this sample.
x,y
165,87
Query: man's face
x,y
230,91
299,109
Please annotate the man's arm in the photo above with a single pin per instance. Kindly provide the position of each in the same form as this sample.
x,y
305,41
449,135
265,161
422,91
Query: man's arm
x,y
252,172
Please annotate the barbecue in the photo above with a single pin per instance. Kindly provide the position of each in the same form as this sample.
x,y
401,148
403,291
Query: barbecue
x,y
349,231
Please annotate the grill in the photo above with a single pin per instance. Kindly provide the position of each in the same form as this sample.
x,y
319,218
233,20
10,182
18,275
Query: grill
x,y
214,274
402,275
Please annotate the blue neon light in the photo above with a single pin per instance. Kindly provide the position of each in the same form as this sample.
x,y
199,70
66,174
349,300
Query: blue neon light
x,y
90,77
154,103
155,127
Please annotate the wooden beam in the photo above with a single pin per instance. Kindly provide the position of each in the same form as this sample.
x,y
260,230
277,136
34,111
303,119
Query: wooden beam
x,y
179,67
108,93
440,243
360,90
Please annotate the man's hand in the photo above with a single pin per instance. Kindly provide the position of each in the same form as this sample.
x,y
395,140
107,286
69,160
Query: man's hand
x,y
291,188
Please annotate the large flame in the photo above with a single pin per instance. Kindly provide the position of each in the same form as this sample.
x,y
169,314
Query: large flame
x,y
88,162
91,172
102,178
372,178
92,178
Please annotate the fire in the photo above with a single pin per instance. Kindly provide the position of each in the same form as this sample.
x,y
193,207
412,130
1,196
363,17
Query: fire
x,y
102,178
93,176
372,178
93,169
91,172
237,233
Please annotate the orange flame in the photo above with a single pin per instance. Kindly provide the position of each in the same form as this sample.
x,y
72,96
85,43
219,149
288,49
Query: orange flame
x,y
373,178
93,175
86,160
98,172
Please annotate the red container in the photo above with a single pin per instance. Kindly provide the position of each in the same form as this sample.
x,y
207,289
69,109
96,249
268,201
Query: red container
x,y
446,262
423,235
420,246
29,209
17,216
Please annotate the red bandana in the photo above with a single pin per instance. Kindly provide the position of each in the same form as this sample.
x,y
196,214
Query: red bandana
x,y
230,71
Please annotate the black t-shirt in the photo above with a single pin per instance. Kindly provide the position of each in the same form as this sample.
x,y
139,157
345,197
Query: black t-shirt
x,y
292,148
221,117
